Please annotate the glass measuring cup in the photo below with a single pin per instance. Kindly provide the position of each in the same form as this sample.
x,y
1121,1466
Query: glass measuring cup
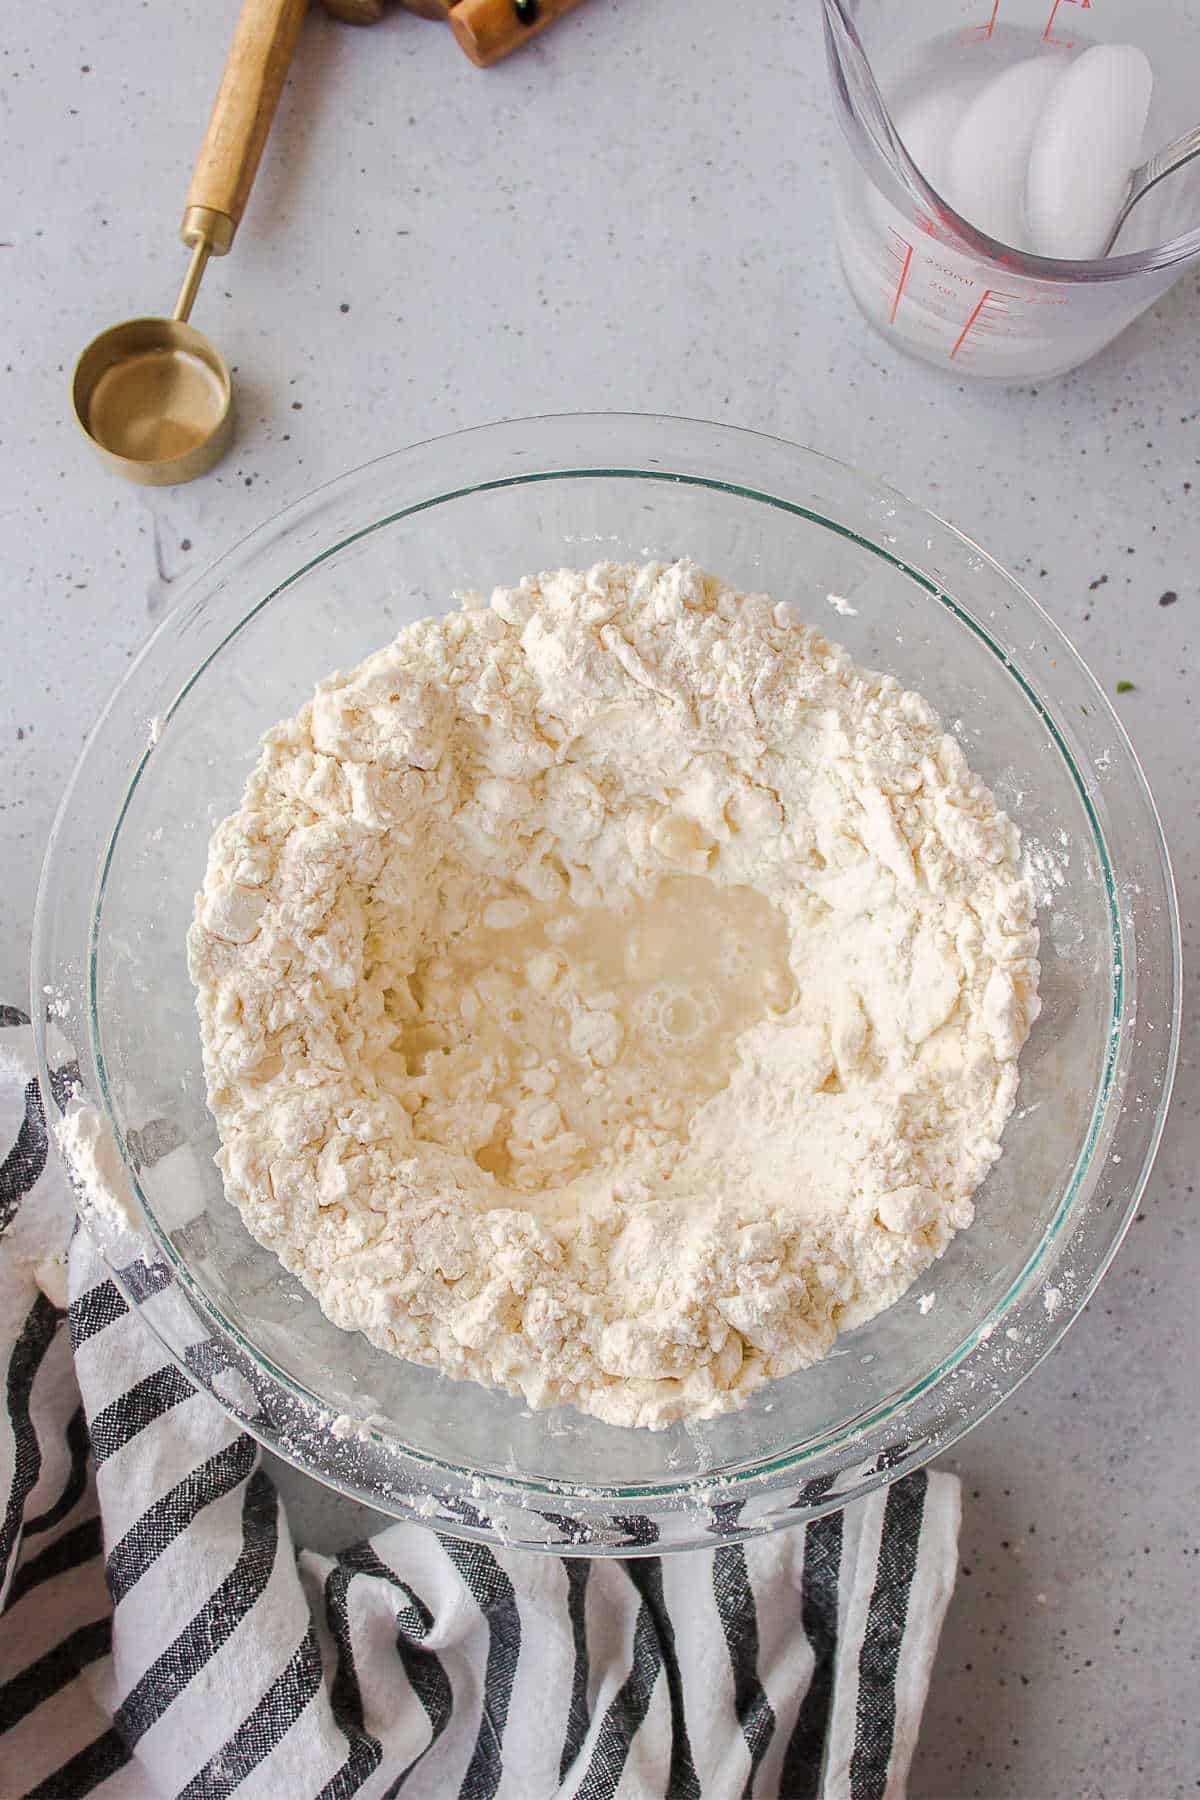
x,y
922,274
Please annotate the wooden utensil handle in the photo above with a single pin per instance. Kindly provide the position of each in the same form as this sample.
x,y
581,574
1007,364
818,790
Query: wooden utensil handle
x,y
355,12
489,29
255,72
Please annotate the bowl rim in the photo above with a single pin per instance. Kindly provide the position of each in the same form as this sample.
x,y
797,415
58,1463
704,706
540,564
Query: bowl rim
x,y
796,1460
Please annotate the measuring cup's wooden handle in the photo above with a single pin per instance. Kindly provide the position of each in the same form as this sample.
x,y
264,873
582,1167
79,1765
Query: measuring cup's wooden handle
x,y
255,72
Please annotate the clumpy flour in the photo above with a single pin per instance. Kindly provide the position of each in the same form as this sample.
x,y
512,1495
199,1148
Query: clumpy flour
x,y
610,993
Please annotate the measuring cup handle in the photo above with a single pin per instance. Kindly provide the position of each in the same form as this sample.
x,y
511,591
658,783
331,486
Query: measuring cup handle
x,y
255,72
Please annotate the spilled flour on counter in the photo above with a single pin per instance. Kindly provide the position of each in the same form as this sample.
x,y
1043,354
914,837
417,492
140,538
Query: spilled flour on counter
x,y
610,993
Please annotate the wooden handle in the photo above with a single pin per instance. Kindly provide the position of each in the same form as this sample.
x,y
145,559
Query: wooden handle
x,y
486,29
355,12
489,29
255,72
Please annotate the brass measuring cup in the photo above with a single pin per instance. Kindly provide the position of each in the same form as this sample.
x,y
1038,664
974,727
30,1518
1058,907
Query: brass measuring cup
x,y
153,396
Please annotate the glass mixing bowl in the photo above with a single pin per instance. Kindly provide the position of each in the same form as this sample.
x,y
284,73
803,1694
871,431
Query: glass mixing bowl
x,y
336,577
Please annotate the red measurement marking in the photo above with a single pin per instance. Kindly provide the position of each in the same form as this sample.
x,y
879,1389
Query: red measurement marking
x,y
985,31
962,336
905,267
1047,35
993,303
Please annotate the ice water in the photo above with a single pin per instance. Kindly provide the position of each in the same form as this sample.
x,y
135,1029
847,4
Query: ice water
x,y
940,301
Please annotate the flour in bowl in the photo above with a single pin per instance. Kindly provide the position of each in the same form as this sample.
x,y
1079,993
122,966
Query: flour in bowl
x,y
609,992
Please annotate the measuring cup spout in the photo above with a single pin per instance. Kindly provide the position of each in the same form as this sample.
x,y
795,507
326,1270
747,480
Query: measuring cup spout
x,y
855,85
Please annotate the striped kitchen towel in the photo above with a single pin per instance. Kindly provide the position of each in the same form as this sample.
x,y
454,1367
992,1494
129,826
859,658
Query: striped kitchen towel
x,y
161,1635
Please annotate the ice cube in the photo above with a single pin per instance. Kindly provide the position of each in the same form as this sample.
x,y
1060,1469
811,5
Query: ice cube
x,y
1087,141
989,151
926,124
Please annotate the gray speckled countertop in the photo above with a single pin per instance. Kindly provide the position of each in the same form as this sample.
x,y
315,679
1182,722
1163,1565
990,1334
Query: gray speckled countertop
x,y
634,215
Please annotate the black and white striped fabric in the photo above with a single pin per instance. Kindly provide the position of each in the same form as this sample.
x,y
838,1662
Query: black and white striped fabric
x,y
161,1635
